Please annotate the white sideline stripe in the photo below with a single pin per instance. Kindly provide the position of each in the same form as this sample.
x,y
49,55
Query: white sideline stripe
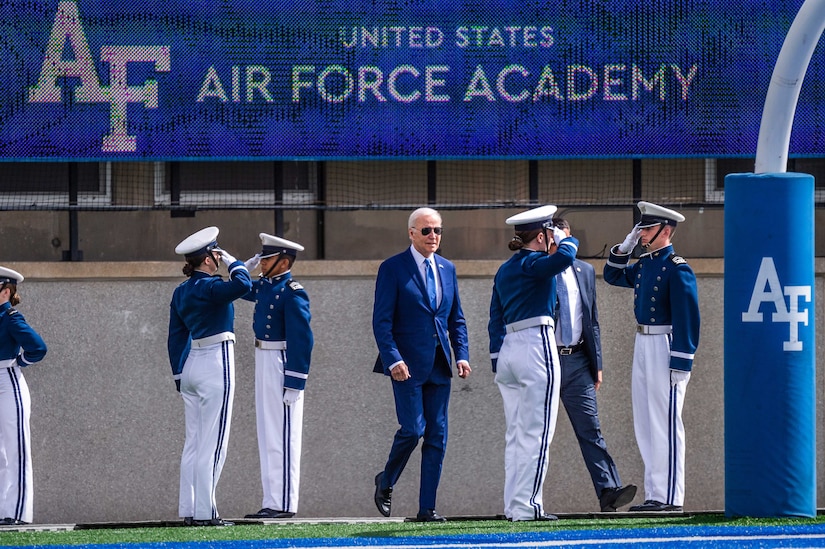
x,y
577,542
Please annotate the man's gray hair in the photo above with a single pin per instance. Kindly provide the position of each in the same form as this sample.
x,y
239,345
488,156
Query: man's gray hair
x,y
420,212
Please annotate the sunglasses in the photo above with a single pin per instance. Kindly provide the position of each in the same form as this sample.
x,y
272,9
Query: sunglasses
x,y
427,230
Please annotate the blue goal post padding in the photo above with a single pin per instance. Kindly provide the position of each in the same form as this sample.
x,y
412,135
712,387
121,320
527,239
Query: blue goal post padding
x,y
770,400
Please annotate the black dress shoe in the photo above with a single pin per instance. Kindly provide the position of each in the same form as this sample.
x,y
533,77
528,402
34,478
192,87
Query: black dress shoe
x,y
187,521
383,498
8,521
652,505
212,522
429,516
613,498
267,513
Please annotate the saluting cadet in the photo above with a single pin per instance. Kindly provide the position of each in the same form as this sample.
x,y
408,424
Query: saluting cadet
x,y
202,354
666,305
523,351
283,346
20,346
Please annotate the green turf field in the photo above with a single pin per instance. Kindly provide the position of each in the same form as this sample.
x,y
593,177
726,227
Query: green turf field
x,y
98,534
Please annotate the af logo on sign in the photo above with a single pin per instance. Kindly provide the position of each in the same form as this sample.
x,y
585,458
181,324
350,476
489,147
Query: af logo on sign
x,y
67,27
767,289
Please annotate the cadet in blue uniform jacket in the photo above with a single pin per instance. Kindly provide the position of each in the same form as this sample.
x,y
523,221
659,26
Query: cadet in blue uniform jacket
x,y
20,346
666,305
283,348
418,323
202,355
523,351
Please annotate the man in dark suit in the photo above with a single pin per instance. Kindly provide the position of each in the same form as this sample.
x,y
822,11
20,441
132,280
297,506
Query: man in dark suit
x,y
579,346
418,325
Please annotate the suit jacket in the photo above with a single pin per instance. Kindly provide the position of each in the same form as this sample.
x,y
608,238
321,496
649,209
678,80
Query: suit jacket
x,y
591,332
403,321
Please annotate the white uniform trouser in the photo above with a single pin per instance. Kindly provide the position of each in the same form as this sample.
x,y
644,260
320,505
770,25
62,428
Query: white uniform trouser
x,y
279,433
657,419
528,376
207,385
16,489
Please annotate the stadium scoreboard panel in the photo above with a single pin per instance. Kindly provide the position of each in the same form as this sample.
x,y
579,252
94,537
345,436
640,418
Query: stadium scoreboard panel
x,y
353,79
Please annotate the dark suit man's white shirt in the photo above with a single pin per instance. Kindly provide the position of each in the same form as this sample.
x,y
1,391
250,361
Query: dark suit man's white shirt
x,y
573,315
419,260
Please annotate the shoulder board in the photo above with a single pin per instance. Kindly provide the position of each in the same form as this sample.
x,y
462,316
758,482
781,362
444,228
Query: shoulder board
x,y
13,311
295,285
678,260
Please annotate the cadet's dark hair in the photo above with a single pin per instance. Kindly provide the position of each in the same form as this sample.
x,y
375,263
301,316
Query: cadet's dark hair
x,y
14,297
192,263
521,238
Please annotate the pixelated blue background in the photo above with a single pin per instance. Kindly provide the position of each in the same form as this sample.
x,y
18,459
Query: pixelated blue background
x,y
733,44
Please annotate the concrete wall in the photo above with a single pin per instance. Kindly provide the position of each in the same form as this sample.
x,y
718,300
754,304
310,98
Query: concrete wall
x,y
107,424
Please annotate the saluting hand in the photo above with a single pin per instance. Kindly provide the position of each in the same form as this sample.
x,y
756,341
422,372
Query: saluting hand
x,y
227,258
631,240
252,263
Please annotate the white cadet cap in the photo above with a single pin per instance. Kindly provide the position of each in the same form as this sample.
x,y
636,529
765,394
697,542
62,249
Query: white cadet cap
x,y
203,241
653,214
8,275
275,245
533,219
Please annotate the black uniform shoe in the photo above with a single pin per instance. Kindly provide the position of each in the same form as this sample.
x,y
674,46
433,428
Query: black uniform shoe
x,y
383,498
429,516
187,521
8,521
212,522
655,506
267,513
613,498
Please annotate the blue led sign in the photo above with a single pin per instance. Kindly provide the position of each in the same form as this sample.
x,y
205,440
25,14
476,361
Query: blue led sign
x,y
120,80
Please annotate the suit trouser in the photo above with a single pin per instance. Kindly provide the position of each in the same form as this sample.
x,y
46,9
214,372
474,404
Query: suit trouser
x,y
657,419
207,385
16,487
279,433
527,376
421,407
578,394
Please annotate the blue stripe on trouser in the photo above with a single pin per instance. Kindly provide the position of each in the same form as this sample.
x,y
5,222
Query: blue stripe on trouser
x,y
672,438
222,422
672,442
542,462
287,457
21,445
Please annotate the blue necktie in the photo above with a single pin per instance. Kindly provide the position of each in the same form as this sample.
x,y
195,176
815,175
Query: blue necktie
x,y
564,326
430,284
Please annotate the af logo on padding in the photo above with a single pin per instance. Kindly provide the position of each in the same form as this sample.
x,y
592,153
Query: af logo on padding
x,y
68,27
767,289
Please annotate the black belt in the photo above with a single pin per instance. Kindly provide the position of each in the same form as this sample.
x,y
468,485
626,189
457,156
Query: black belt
x,y
572,349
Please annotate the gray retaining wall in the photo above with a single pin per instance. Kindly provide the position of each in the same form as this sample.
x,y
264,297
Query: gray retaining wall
x,y
107,423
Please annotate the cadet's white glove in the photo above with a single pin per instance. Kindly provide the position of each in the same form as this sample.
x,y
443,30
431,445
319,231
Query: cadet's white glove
x,y
631,240
227,258
558,235
253,262
291,396
678,375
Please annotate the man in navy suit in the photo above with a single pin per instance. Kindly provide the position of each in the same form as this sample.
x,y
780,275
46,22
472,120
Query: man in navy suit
x,y
578,341
418,325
